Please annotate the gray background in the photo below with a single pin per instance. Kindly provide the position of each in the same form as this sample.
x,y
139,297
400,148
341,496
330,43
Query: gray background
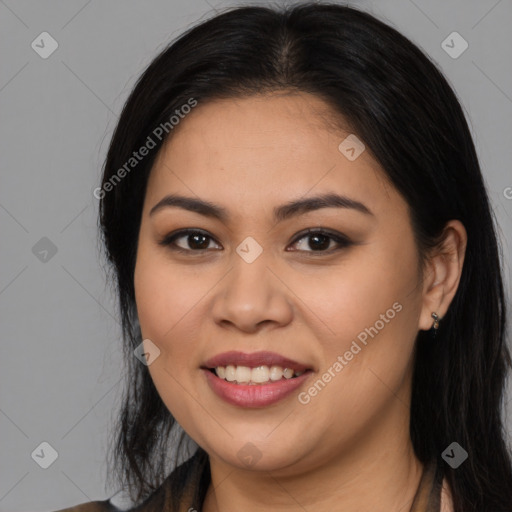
x,y
60,368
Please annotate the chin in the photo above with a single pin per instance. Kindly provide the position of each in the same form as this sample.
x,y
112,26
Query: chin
x,y
247,452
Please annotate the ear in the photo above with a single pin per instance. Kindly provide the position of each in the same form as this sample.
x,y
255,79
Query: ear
x,y
442,273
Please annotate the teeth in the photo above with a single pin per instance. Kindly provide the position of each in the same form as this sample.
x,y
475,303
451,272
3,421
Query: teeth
x,y
230,373
258,375
276,373
288,373
243,374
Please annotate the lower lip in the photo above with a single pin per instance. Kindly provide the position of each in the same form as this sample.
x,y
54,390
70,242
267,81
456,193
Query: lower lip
x,y
257,395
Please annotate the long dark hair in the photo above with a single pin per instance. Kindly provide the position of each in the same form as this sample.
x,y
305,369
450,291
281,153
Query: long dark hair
x,y
402,108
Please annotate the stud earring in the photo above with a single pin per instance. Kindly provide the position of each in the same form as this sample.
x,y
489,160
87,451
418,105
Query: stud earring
x,y
436,318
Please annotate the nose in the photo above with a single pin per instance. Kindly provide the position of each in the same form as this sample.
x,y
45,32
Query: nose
x,y
252,297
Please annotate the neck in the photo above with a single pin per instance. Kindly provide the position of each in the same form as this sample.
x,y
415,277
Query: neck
x,y
380,472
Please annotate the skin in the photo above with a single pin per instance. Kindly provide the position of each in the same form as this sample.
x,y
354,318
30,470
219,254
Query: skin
x,y
349,447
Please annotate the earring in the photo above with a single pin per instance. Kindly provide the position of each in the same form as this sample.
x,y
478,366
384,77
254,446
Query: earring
x,y
436,318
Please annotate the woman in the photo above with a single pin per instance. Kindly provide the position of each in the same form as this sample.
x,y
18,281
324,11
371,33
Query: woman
x,y
308,275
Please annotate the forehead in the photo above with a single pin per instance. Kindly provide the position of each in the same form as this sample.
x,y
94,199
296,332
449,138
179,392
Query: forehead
x,y
291,126
264,149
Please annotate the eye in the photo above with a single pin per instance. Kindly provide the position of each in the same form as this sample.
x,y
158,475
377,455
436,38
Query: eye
x,y
196,240
320,241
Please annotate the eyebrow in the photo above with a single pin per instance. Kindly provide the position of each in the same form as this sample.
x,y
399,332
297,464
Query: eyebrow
x,y
281,213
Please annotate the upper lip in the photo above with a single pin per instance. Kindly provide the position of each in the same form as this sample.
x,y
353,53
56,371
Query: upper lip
x,y
254,360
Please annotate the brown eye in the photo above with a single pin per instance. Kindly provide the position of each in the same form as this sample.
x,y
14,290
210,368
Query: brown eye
x,y
320,241
317,241
190,241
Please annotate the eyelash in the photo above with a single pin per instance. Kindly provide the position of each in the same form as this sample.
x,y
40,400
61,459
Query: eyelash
x,y
342,241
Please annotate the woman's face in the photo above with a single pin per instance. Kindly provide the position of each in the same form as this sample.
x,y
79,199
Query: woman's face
x,y
251,281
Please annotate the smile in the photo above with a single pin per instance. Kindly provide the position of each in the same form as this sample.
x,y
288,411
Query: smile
x,y
253,395
255,376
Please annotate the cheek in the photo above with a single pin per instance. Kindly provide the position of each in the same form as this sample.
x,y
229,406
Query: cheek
x,y
354,297
163,299
161,294
171,309
371,307
154,302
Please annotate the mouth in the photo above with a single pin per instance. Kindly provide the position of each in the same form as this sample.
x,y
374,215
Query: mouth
x,y
255,376
255,371
257,387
